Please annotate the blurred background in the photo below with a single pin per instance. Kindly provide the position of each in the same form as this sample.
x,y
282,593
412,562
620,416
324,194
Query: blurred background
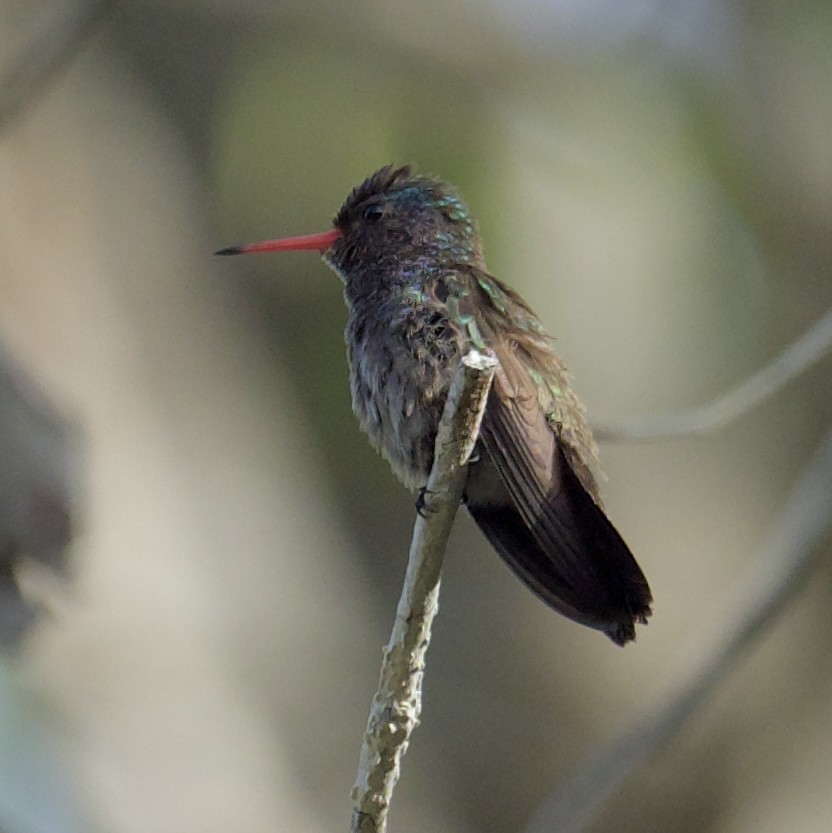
x,y
654,176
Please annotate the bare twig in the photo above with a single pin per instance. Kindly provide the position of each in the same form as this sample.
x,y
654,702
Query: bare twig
x,y
46,54
395,710
812,346
791,549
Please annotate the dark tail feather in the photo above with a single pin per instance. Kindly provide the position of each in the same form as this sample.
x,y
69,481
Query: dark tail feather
x,y
606,591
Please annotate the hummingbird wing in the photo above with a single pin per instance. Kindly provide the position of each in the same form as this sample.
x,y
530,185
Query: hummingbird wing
x,y
533,493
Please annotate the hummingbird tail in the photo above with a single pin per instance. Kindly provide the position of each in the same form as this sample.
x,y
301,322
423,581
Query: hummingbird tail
x,y
588,574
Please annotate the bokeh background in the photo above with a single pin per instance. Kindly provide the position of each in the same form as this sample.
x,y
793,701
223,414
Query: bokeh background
x,y
654,176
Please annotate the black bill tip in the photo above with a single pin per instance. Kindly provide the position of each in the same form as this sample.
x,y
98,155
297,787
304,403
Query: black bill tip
x,y
231,250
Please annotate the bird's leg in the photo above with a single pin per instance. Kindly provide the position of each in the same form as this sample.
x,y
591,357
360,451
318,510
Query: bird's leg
x,y
422,507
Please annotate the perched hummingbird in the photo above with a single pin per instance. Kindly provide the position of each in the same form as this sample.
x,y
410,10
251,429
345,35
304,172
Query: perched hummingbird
x,y
419,297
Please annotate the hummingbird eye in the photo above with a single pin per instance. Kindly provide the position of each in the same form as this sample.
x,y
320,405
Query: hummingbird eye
x,y
373,213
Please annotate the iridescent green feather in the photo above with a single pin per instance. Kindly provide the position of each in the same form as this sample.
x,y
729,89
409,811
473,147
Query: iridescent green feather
x,y
508,314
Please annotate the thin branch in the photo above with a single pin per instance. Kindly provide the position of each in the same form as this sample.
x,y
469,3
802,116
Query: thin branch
x,y
47,53
810,348
395,710
793,547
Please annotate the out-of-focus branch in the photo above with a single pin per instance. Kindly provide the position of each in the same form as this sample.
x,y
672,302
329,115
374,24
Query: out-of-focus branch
x,y
812,346
46,53
38,488
793,546
395,710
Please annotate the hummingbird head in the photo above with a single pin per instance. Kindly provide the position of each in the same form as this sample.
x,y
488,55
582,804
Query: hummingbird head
x,y
393,227
395,220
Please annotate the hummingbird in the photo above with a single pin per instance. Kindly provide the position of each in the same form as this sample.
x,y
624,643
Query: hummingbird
x,y
419,296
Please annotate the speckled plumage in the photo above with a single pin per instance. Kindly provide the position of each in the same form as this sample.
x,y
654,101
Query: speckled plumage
x,y
419,296
436,301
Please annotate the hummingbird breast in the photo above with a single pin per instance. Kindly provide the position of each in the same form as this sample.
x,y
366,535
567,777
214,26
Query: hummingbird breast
x,y
402,356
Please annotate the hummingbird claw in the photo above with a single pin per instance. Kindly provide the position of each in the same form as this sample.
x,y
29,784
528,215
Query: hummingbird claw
x,y
422,507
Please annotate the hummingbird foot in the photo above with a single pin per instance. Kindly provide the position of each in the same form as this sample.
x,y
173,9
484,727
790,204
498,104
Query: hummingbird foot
x,y
422,503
